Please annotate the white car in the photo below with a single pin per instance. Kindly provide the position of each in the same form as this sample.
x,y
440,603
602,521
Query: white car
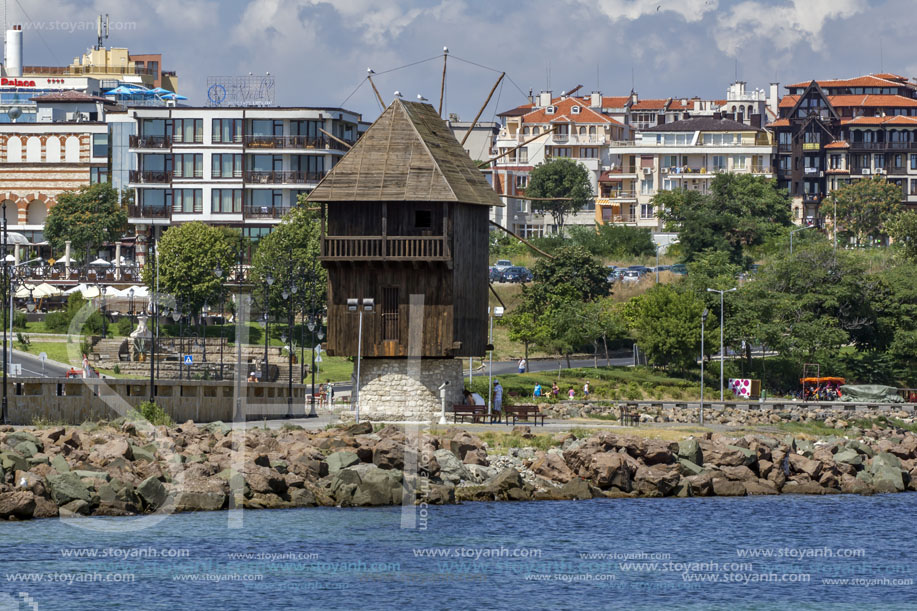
x,y
502,265
631,275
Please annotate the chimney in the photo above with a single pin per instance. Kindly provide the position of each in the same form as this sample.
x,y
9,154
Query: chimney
x,y
717,115
531,97
544,99
773,98
696,105
14,51
595,99
633,97
756,121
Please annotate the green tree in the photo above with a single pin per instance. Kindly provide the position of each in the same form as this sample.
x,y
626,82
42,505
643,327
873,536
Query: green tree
x,y
667,325
864,207
571,271
290,253
614,240
903,229
88,217
741,211
188,254
563,180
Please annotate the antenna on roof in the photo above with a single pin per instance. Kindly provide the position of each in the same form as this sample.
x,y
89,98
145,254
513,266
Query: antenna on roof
x,y
369,77
881,56
442,85
102,30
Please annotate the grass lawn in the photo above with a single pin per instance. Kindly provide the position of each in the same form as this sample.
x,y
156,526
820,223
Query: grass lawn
x,y
332,369
56,351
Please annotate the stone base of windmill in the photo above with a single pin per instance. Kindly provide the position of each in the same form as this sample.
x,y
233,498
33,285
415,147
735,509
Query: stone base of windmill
x,y
403,390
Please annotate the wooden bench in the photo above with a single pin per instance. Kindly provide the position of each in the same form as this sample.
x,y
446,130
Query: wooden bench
x,y
523,412
477,413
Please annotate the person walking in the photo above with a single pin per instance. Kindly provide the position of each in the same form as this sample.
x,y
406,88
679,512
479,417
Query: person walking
x,y
498,403
555,390
586,389
522,365
537,392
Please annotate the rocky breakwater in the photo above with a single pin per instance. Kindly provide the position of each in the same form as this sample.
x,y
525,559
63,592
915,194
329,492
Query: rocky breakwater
x,y
127,470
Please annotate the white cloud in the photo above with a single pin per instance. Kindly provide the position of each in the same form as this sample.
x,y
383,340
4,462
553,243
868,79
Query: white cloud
x,y
689,10
783,26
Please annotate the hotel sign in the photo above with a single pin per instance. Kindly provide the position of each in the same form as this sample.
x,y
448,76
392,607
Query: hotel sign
x,y
15,82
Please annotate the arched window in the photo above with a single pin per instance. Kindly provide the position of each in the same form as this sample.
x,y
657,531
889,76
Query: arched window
x,y
72,150
52,150
12,212
582,130
37,212
14,149
33,150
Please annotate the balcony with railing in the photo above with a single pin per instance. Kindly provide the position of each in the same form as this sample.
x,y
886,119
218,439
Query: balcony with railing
x,y
280,177
385,248
148,212
150,177
264,212
883,146
150,142
257,141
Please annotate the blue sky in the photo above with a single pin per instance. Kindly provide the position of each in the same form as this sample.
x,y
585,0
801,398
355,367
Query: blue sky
x,y
319,50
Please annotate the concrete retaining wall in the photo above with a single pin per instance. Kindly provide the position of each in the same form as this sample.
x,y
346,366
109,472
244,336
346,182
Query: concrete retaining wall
x,y
78,400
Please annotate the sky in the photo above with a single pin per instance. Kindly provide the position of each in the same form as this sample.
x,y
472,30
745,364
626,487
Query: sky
x,y
319,50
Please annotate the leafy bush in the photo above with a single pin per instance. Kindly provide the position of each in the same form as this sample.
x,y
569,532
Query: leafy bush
x,y
117,369
154,414
57,322
124,326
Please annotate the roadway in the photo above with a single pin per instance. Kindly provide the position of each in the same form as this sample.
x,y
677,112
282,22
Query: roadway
x,y
32,366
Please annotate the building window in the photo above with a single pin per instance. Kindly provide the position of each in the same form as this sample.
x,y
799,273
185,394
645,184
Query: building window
x,y
646,186
899,160
226,131
187,201
835,162
98,175
188,166
226,201
589,153
390,313
879,161
738,162
719,139
188,131
913,187
522,181
719,163
100,145
265,199
646,211
423,219
914,162
523,154
226,166
561,151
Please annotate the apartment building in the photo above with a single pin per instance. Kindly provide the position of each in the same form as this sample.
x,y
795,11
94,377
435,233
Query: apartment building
x,y
831,132
685,154
581,131
603,133
239,167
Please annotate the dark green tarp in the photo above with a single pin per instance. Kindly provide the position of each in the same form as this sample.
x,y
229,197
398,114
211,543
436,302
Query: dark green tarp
x,y
872,393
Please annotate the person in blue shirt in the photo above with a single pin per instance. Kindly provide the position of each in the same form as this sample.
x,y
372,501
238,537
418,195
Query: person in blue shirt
x,y
498,402
537,392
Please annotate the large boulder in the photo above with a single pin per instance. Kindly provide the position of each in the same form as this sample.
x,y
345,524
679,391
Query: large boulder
x,y
199,494
152,492
801,464
116,448
389,454
887,475
610,469
378,487
728,487
451,468
656,481
689,449
264,480
66,487
341,460
19,504
464,442
551,466
849,456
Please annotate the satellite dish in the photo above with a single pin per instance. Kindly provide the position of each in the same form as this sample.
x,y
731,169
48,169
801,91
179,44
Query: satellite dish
x,y
14,113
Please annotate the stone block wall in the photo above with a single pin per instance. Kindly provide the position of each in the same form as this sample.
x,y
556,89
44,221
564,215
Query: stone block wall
x,y
403,390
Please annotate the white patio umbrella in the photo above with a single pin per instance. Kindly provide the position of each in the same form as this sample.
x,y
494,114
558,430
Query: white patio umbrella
x,y
90,292
100,262
26,290
45,290
63,260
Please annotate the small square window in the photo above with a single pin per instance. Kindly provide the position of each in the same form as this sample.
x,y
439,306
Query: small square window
x,y
423,219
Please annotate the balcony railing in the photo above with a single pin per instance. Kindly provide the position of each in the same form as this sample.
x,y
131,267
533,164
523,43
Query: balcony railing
x,y
155,177
150,142
883,146
291,142
280,177
617,195
264,212
394,248
148,212
784,148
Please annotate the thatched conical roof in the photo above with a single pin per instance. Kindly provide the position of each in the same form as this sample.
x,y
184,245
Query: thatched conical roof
x,y
408,154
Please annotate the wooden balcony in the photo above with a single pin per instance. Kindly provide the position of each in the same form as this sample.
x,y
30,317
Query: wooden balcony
x,y
385,248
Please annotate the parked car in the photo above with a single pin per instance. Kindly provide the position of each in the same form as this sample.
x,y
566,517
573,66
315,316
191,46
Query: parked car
x,y
639,268
663,268
679,269
517,274
502,265
632,275
495,275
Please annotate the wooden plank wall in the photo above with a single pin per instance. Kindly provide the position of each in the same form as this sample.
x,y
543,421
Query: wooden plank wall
x,y
471,233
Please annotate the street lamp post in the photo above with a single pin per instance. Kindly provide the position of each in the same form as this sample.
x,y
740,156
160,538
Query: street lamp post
x,y
152,308
218,272
130,304
367,305
495,312
722,348
4,415
177,317
268,283
289,294
205,311
703,320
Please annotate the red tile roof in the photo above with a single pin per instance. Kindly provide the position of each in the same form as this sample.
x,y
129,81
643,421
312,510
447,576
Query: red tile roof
x,y
893,120
650,105
840,144
886,101
563,112
871,80
615,101
788,101
780,123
